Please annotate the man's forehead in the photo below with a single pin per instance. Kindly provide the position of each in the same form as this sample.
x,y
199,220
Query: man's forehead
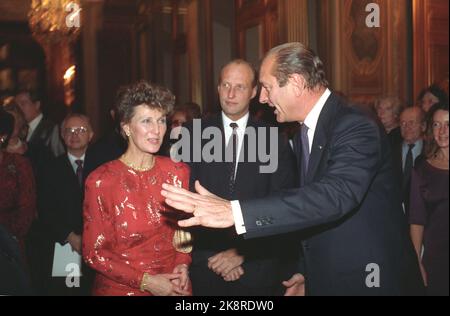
x,y
22,96
266,67
237,71
76,121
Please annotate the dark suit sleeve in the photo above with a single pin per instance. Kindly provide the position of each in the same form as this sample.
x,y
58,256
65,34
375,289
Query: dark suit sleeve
x,y
55,209
351,161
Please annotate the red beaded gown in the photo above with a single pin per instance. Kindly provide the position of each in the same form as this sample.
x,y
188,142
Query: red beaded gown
x,y
128,229
17,196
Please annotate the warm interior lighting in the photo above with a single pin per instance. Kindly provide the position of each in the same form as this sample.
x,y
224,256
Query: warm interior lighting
x,y
69,85
53,21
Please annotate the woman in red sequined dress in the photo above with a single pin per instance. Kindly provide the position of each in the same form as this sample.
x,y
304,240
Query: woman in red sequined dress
x,y
17,189
130,235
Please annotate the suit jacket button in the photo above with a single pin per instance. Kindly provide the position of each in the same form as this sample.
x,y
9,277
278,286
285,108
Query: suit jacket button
x,y
258,223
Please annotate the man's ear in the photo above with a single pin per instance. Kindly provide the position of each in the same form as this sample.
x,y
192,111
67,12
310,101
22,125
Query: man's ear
x,y
38,105
254,92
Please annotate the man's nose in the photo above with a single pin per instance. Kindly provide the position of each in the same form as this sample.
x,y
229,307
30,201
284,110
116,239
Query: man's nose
x,y
231,93
263,96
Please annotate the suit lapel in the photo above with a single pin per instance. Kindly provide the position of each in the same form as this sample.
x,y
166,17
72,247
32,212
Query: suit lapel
x,y
72,179
321,136
37,131
218,122
297,149
243,165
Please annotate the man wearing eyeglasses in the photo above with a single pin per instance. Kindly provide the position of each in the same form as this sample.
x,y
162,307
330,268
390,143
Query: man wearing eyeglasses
x,y
63,196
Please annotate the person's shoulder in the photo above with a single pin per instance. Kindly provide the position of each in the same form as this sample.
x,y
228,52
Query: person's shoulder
x,y
356,114
423,166
61,158
107,173
47,123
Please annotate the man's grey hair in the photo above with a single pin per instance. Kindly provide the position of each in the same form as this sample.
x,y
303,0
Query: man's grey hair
x,y
295,58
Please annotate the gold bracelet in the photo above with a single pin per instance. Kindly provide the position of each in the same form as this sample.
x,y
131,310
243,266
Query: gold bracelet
x,y
145,281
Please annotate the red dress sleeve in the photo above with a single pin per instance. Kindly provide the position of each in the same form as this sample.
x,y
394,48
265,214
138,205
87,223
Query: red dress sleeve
x,y
99,237
26,199
184,171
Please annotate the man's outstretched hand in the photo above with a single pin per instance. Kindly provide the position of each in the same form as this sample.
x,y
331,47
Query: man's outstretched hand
x,y
208,210
295,286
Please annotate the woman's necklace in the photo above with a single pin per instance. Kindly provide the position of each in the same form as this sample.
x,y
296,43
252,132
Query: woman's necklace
x,y
135,167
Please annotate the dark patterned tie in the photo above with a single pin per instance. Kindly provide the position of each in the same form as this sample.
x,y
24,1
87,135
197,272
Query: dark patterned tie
x,y
304,154
406,181
232,146
79,171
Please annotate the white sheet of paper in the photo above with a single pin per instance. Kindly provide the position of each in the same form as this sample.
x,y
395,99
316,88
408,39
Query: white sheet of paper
x,y
66,262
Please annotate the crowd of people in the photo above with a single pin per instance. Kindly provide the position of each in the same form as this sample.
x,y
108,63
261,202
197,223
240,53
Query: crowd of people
x,y
350,189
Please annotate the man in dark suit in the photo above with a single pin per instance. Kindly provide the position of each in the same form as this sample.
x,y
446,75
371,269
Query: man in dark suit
x,y
411,149
224,264
348,206
41,131
62,213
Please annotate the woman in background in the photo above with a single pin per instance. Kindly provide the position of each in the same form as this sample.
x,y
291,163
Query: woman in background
x,y
17,187
429,206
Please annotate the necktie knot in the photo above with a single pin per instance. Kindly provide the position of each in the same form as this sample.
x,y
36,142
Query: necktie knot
x,y
411,146
79,163
234,126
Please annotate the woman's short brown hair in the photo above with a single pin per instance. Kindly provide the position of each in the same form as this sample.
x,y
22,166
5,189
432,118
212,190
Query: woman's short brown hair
x,y
131,96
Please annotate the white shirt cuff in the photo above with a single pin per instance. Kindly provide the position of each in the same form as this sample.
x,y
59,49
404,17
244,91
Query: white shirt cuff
x,y
238,217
